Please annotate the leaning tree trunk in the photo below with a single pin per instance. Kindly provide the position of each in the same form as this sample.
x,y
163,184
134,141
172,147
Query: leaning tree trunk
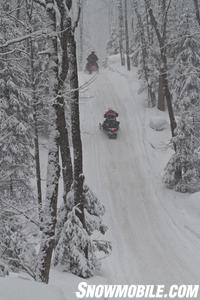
x,y
53,169
164,69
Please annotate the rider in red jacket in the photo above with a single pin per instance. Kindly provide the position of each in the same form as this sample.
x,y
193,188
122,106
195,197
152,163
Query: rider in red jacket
x,y
110,120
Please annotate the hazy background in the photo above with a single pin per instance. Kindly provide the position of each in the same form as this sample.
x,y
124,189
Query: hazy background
x,y
95,21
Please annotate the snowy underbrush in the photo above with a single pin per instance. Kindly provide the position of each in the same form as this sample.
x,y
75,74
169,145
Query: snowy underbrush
x,y
158,123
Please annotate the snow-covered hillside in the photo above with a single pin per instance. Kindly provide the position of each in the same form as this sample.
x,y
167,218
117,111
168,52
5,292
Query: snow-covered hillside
x,y
154,231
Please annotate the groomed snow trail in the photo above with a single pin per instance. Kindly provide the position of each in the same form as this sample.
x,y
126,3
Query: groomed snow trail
x,y
148,246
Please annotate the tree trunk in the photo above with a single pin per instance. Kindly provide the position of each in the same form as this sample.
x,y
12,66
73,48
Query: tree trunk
x,y
169,102
76,133
18,11
81,30
62,127
196,6
121,30
36,138
161,93
164,69
64,149
127,37
151,94
53,169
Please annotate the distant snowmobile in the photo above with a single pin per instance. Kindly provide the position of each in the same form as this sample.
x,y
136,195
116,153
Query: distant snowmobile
x,y
92,65
110,125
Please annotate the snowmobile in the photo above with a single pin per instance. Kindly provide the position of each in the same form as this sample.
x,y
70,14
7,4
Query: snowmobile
x,y
91,67
110,125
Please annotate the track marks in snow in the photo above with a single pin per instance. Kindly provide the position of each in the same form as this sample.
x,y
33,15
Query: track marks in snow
x,y
147,245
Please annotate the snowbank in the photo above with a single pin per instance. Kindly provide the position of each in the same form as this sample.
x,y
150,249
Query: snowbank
x,y
158,123
19,289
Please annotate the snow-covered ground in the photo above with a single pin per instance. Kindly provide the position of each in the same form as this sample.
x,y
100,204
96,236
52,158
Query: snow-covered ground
x,y
155,232
21,289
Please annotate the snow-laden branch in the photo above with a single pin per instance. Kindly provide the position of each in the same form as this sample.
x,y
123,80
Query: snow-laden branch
x,y
23,38
18,7
40,2
81,88
14,50
14,18
33,35
21,212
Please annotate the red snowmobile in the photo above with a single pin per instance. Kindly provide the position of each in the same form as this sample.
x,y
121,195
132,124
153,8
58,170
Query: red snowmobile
x,y
110,125
92,65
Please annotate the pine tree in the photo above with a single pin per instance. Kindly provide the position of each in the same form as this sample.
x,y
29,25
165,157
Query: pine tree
x,y
74,238
182,172
16,160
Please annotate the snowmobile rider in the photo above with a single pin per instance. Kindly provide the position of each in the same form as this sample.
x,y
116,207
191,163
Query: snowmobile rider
x,y
110,120
92,58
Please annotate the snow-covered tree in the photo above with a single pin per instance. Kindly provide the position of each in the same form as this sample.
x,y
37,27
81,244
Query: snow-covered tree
x,y
74,238
145,54
113,43
16,140
182,172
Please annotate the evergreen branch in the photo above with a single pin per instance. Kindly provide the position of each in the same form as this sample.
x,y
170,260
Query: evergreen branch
x,y
22,38
33,35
